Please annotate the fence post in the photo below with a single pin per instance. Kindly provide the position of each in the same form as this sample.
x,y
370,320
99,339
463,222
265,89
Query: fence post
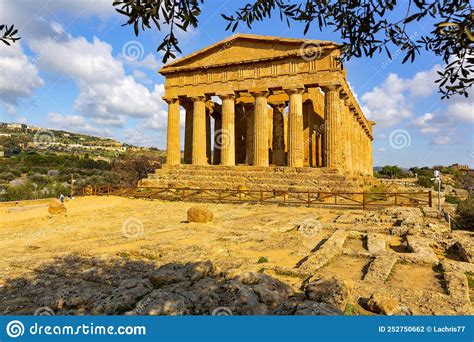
x,y
430,198
183,197
309,199
396,199
364,202
261,196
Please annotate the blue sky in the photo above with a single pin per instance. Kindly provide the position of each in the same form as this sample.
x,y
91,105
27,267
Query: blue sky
x,y
77,68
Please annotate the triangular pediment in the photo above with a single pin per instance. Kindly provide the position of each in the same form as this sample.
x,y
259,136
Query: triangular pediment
x,y
242,48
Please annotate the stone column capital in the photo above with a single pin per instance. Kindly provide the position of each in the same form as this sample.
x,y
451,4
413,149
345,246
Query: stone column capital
x,y
260,93
170,100
198,98
295,90
332,87
228,96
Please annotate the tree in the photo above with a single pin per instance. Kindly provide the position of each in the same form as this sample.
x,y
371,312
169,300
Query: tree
x,y
391,171
366,27
7,34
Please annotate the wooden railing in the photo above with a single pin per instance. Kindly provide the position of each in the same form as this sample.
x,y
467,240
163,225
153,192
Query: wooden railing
x,y
362,200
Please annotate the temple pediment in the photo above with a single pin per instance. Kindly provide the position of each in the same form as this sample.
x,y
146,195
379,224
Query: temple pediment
x,y
244,48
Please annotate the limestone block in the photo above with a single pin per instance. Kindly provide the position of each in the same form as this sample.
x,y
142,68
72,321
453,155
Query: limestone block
x,y
384,304
199,215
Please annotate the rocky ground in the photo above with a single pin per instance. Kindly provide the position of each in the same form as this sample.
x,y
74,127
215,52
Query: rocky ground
x,y
113,255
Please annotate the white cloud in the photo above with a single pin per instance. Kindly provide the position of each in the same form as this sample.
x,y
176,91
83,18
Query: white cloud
x,y
386,104
75,123
441,140
106,93
141,76
425,123
393,100
461,109
18,78
148,62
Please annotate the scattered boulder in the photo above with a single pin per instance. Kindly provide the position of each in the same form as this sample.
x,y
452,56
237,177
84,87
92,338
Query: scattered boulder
x,y
382,303
331,291
57,208
199,215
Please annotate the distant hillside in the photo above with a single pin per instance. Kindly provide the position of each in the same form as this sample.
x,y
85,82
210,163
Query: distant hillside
x,y
37,163
15,137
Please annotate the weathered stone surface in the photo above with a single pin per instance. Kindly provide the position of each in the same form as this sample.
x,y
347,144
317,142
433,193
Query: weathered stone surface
x,y
331,248
57,208
458,289
125,296
463,248
162,303
422,252
331,291
383,303
199,215
175,273
376,243
380,267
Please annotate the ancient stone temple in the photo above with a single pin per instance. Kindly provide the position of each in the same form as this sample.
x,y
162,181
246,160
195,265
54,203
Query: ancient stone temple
x,y
264,103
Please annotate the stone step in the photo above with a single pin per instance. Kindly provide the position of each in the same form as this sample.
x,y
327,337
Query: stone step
x,y
162,183
261,178
266,181
254,178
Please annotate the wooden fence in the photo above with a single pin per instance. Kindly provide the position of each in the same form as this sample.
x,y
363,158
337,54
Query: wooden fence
x,y
364,200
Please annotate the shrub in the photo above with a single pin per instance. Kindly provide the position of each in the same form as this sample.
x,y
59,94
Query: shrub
x,y
425,182
452,199
465,214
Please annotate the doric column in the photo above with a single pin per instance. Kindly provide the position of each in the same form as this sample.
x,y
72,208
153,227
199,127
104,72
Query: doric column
x,y
358,147
218,140
347,135
250,115
188,133
228,130
331,108
260,136
208,136
240,134
173,153
371,161
199,130
295,128
278,133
